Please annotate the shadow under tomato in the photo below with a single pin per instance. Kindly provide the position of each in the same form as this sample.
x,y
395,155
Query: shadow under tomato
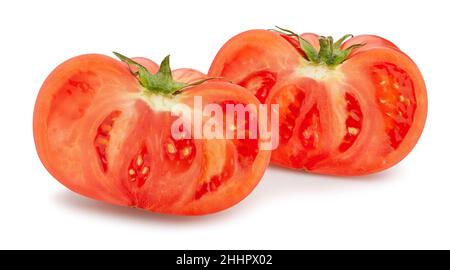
x,y
277,182
378,176
76,202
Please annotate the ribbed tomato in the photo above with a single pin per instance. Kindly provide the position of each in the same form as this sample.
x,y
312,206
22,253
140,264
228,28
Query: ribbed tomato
x,y
103,129
346,107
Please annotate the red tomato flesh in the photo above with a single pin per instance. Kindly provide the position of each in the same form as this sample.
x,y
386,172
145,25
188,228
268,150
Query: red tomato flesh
x,y
101,134
359,116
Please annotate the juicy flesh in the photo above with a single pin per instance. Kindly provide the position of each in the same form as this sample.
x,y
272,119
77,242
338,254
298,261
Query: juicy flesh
x,y
102,138
395,97
290,101
247,150
260,83
394,94
353,122
310,128
247,147
140,166
212,183
75,96
181,153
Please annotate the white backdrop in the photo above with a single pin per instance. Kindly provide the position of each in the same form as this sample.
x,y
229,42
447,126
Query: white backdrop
x,y
404,207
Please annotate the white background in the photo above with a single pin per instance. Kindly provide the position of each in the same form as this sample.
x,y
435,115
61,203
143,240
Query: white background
x,y
404,207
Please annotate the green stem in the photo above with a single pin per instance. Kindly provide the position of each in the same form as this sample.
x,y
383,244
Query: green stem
x,y
330,52
162,81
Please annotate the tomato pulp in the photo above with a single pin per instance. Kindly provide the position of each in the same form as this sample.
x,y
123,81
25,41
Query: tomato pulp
x,y
103,129
350,107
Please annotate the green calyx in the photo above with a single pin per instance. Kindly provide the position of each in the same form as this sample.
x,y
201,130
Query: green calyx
x,y
162,81
330,52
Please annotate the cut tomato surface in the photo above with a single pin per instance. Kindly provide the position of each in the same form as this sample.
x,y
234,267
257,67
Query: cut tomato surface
x,y
350,107
102,134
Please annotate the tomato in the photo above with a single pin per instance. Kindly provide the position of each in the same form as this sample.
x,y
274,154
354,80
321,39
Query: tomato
x,y
102,128
351,107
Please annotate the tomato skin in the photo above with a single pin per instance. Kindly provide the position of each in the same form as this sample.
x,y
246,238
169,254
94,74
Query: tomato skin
x,y
253,44
369,41
360,117
151,66
97,134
